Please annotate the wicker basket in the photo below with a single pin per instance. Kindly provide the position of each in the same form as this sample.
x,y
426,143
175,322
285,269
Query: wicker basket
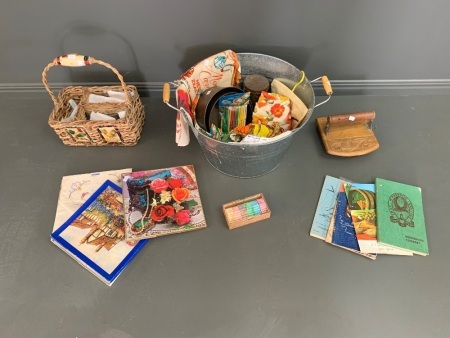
x,y
82,131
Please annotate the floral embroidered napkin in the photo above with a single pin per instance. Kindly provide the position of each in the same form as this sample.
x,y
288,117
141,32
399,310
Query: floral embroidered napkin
x,y
272,109
76,189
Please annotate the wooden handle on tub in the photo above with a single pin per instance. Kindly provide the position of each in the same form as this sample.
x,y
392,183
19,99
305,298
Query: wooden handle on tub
x,y
166,92
327,85
352,117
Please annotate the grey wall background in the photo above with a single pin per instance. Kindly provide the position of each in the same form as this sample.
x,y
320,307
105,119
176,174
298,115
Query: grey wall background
x,y
384,43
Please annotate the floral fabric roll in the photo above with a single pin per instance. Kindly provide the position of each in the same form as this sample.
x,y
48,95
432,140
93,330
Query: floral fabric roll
x,y
272,109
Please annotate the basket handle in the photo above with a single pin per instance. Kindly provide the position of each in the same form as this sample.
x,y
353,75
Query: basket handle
x,y
76,60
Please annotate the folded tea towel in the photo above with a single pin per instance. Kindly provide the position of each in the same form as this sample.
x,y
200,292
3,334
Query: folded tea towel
x,y
273,108
183,119
222,69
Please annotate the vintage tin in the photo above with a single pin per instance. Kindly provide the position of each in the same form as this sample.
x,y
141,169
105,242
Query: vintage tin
x,y
255,84
207,110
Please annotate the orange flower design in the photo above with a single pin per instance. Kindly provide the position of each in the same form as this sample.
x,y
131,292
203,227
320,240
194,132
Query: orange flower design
x,y
261,103
180,194
268,96
277,110
242,129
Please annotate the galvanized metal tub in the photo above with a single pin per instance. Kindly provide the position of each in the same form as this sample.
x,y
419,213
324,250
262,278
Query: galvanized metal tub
x,y
253,160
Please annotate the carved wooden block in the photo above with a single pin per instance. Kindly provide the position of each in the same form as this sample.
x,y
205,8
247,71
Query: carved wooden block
x,y
348,134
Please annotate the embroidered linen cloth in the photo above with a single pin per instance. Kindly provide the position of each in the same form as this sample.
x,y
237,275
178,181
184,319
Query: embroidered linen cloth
x,y
76,189
272,109
222,70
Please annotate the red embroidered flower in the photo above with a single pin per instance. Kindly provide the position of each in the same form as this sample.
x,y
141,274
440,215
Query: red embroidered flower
x,y
159,185
182,217
175,183
268,96
160,212
277,110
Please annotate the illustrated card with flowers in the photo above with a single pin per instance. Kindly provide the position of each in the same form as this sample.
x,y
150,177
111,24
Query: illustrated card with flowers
x,y
161,202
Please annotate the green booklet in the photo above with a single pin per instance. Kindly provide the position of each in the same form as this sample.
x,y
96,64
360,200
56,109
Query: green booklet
x,y
400,217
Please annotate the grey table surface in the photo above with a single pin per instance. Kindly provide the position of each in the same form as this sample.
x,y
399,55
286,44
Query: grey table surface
x,y
267,279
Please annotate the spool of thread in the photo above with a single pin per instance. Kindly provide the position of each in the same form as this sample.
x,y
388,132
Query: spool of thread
x,y
255,84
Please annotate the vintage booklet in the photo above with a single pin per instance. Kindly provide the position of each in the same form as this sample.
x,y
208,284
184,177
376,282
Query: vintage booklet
x,y
325,207
95,236
161,202
344,232
401,221
329,237
362,207
323,226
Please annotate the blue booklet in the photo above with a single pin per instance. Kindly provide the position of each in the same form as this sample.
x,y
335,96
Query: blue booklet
x,y
325,207
95,235
344,232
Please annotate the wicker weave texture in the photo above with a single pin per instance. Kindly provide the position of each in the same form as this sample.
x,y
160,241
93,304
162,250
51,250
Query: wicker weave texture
x,y
84,132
